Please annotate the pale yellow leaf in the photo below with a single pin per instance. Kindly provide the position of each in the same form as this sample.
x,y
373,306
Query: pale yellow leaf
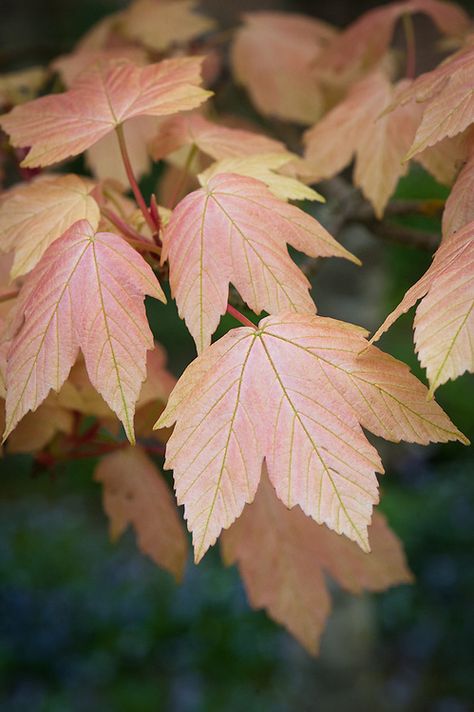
x,y
33,215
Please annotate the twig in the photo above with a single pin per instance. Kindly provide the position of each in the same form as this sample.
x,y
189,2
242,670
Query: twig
x,y
132,236
240,317
132,180
411,237
410,70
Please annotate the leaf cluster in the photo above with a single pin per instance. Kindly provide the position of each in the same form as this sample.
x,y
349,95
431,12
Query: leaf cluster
x,y
268,449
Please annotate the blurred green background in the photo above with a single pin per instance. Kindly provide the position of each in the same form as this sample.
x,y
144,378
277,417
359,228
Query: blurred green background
x,y
87,625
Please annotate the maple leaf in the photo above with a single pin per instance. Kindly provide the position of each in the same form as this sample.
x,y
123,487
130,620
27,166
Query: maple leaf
x,y
444,320
21,85
103,97
445,159
37,429
213,139
69,66
283,557
106,162
102,34
136,493
354,127
284,47
235,230
35,214
159,24
445,96
102,158
79,394
363,44
87,291
295,391
264,167
459,208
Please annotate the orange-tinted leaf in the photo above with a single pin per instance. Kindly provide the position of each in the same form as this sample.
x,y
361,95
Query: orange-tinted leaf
x,y
235,230
445,159
159,381
459,208
174,177
38,428
444,321
445,95
354,127
159,24
86,292
295,391
69,66
135,493
273,57
33,215
283,557
213,139
103,97
363,43
79,394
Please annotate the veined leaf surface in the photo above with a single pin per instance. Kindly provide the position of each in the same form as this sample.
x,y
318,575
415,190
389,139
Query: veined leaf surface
x,y
33,215
235,230
59,126
295,391
444,320
354,128
86,292
215,140
283,557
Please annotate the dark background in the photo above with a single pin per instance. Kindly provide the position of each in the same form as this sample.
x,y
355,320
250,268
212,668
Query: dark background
x,y
87,625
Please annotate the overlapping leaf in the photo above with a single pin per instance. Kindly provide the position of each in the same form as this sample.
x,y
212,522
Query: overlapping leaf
x,y
159,24
444,321
87,291
283,47
103,97
459,208
445,95
445,159
135,493
215,140
37,429
70,66
105,161
283,557
264,167
353,127
235,230
363,43
33,215
295,391
78,393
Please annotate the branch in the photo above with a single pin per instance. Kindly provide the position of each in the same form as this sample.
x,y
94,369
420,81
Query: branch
x,y
404,235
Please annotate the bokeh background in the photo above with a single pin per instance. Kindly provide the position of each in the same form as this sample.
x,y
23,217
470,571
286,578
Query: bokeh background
x,y
87,625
